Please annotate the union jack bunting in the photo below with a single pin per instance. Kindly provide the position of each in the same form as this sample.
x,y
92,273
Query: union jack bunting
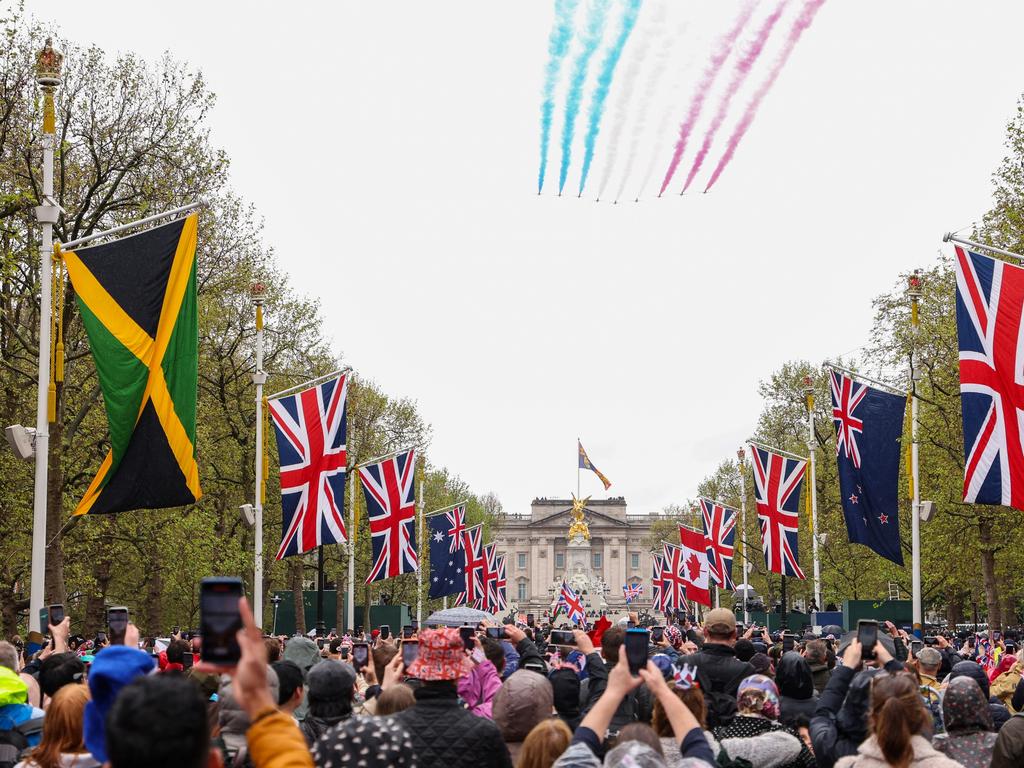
x,y
720,539
632,592
673,578
657,582
500,604
989,307
457,522
310,431
777,483
847,394
476,562
389,488
490,575
573,605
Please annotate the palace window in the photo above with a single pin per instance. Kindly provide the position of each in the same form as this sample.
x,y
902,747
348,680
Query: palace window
x,y
634,561
521,561
559,560
521,590
596,559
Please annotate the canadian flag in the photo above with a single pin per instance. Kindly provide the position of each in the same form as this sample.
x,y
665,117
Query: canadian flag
x,y
695,559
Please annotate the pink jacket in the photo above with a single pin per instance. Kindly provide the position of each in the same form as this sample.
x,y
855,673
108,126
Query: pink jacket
x,y
479,687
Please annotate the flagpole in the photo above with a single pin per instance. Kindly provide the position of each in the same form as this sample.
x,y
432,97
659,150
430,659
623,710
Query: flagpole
x,y
740,454
950,237
419,564
914,292
259,378
811,447
350,609
48,64
578,445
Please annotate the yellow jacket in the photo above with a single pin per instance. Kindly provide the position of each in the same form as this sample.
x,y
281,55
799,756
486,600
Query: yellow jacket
x,y
275,741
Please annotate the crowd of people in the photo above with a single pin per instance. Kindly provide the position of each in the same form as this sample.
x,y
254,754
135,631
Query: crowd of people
x,y
713,694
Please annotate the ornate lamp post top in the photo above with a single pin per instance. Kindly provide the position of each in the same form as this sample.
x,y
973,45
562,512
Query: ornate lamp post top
x,y
915,284
48,63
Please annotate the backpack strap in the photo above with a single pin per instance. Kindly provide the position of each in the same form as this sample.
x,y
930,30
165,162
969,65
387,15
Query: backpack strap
x,y
30,727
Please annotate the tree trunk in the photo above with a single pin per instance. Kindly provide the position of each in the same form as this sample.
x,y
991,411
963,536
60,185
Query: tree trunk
x,y
53,590
96,603
295,573
954,608
988,572
1009,606
154,589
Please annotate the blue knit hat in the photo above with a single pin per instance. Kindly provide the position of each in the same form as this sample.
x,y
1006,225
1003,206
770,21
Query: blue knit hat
x,y
112,669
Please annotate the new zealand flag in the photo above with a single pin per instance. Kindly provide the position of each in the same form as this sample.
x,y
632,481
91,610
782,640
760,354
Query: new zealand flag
x,y
447,552
869,426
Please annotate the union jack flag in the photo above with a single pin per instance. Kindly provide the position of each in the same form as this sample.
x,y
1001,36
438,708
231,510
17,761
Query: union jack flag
x,y
777,483
720,540
500,602
657,582
673,578
632,592
490,575
989,307
457,518
310,431
476,563
389,488
573,605
847,394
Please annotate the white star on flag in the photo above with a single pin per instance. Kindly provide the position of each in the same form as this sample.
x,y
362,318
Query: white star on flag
x,y
438,537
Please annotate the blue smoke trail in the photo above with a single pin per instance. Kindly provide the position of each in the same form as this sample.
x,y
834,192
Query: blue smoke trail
x,y
558,47
604,84
591,39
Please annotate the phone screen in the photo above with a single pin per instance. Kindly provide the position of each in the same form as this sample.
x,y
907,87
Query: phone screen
x,y
529,619
867,635
562,637
220,619
360,655
636,649
468,633
117,622
410,650
385,631
407,630
56,614
187,660
498,633
657,634
787,643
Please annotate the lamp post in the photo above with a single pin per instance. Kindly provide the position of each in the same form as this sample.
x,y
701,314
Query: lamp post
x,y
809,396
259,378
740,455
48,64
276,600
914,286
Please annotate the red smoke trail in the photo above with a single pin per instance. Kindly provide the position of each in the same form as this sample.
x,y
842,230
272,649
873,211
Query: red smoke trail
x,y
743,67
802,23
718,57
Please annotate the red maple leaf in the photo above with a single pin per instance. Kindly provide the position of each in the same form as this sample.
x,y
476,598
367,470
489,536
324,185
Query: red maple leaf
x,y
693,566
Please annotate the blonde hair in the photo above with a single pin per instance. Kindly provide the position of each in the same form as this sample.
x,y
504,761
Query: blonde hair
x,y
544,744
394,699
63,730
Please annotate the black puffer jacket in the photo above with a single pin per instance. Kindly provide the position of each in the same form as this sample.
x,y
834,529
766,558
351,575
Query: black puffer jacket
x,y
445,735
719,665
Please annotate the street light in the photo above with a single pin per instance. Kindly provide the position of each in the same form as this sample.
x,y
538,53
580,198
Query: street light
x,y
276,600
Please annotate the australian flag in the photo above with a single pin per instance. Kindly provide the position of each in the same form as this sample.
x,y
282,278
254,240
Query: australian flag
x,y
447,552
869,426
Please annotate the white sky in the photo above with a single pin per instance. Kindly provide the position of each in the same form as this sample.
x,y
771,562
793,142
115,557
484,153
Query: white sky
x,y
393,149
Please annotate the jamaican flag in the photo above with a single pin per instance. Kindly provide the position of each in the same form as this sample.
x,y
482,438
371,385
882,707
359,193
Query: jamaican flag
x,y
137,296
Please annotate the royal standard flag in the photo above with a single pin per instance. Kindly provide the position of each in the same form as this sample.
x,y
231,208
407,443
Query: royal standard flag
x,y
137,296
585,464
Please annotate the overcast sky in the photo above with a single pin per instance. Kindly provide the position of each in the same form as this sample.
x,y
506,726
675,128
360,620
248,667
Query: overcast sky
x,y
393,150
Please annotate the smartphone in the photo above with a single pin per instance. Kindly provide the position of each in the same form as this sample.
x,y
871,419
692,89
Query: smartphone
x,y
657,634
562,637
930,640
101,637
360,655
867,635
498,633
407,631
468,633
787,643
529,619
56,614
320,643
915,646
385,631
220,619
637,641
187,660
410,651
117,623
344,651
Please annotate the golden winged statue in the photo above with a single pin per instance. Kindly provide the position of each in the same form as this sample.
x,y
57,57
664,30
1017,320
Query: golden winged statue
x,y
579,526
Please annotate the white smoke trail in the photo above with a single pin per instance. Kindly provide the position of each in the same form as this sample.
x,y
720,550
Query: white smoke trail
x,y
650,36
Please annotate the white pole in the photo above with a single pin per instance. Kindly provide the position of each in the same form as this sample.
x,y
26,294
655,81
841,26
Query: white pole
x,y
259,379
915,517
350,612
48,77
743,534
419,564
811,447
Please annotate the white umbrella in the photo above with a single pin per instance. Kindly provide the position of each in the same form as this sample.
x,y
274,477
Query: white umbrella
x,y
457,617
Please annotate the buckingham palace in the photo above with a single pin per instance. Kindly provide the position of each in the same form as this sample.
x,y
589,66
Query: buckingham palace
x,y
539,554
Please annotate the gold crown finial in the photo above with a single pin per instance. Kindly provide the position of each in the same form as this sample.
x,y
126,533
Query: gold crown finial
x,y
48,64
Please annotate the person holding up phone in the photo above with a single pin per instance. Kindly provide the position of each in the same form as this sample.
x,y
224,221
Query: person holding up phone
x,y
479,687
